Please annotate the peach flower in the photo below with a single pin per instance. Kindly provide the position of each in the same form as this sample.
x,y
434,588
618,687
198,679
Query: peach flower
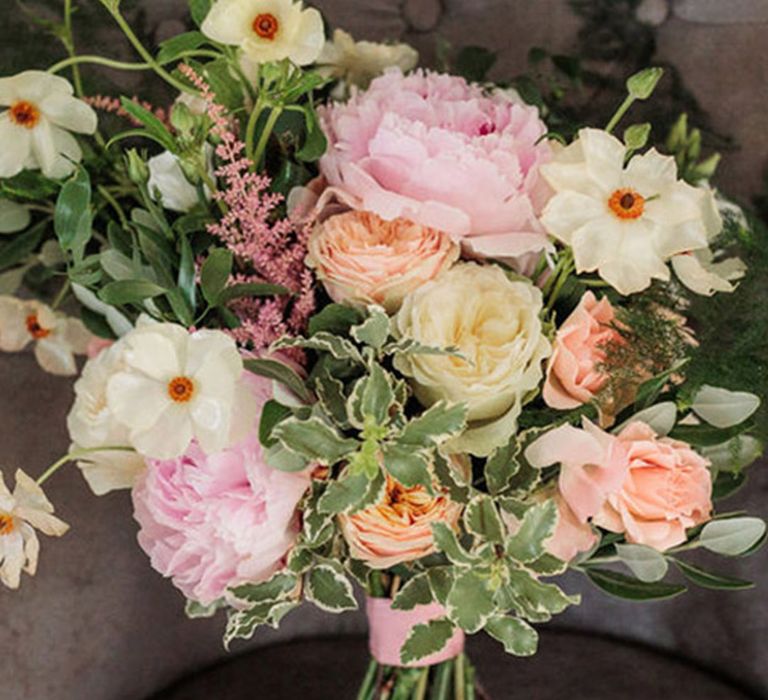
x,y
361,258
573,377
398,529
667,489
649,488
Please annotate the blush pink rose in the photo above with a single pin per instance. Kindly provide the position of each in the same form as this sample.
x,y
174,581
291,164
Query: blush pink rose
x,y
573,375
211,522
361,258
445,154
667,489
649,488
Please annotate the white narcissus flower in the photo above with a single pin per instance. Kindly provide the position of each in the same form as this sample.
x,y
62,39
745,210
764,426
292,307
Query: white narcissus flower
x,y
21,512
177,386
494,322
267,30
167,178
35,130
624,222
359,62
699,272
13,217
57,338
92,425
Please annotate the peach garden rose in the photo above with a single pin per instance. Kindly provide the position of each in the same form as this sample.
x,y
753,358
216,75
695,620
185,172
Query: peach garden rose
x,y
362,259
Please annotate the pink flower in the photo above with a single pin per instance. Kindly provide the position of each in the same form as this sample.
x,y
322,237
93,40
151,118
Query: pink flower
x,y
649,488
211,522
363,259
444,153
667,489
573,375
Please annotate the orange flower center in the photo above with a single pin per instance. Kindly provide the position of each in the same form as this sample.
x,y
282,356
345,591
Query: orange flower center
x,y
266,26
626,203
6,524
25,114
181,389
35,329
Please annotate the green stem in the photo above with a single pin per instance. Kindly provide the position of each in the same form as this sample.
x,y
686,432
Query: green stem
x,y
100,61
369,681
104,192
458,679
250,129
148,58
620,112
442,684
61,295
421,687
69,43
269,127
77,454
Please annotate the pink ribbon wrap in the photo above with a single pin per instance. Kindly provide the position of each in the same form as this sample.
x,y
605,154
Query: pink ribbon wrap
x,y
388,630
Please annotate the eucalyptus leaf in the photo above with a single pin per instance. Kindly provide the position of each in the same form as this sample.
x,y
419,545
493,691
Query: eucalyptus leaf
x,y
723,408
644,562
733,536
628,588
707,579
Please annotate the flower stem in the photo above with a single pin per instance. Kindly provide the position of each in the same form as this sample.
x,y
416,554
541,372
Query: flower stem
x,y
61,295
269,127
620,112
459,681
69,44
75,455
421,687
370,680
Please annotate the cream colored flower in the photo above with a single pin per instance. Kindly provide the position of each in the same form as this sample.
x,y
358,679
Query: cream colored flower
x,y
92,425
21,512
34,131
167,178
57,338
624,222
494,322
267,30
699,272
359,62
13,217
177,386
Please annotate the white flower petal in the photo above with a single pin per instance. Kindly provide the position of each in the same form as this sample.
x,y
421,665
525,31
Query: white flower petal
x,y
604,156
111,471
157,354
229,21
692,273
568,211
68,154
69,113
168,436
135,400
44,147
651,173
16,147
12,559
14,335
309,38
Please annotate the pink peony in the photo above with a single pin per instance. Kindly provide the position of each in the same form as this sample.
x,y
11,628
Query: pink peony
x,y
211,522
668,489
573,377
364,260
649,488
444,153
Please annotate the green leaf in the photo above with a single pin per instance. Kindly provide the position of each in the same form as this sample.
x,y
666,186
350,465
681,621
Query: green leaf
x,y
733,536
706,579
329,589
408,467
440,582
622,586
644,562
186,278
349,493
199,10
215,274
282,373
29,185
171,49
250,289
315,143
372,397
315,440
436,425
284,460
537,526
129,292
155,128
426,639
649,391
374,331
414,592
195,610
735,454
73,217
330,392
448,478
20,247
481,518
474,62
271,415
336,319
517,636
534,600
470,602
447,542
500,467
338,348
271,590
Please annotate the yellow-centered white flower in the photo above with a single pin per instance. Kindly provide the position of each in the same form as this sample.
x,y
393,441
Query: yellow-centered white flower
x,y
624,222
57,338
175,386
267,30
359,62
35,129
92,425
494,322
21,513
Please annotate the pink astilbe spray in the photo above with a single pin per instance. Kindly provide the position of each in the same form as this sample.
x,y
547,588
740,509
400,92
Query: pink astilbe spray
x,y
272,249
112,105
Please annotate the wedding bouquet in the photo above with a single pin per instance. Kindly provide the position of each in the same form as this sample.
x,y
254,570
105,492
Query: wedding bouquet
x,y
350,321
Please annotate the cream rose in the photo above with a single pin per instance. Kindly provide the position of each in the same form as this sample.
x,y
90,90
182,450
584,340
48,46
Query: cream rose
x,y
494,322
362,259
